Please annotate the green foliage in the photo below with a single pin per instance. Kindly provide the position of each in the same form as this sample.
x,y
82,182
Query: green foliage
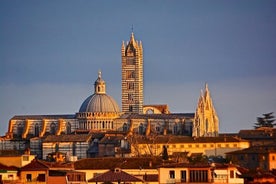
x,y
266,121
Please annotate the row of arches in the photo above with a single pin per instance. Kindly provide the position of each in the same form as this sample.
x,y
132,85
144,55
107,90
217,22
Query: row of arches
x,y
38,128
96,125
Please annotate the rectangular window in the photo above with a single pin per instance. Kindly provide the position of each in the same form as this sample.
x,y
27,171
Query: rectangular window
x,y
172,175
130,85
41,177
198,176
130,97
183,176
232,174
130,74
25,158
130,61
29,177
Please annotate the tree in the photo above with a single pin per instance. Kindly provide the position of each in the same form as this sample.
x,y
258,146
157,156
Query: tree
x,y
165,155
266,121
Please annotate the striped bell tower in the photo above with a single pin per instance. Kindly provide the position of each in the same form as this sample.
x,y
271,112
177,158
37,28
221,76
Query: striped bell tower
x,y
132,76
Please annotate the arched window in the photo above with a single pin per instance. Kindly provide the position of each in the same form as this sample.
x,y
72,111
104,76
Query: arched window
x,y
141,129
68,128
150,111
56,147
36,131
130,108
206,126
53,128
124,127
157,128
175,129
20,128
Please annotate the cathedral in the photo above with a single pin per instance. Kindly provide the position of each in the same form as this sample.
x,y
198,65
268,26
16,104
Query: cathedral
x,y
80,134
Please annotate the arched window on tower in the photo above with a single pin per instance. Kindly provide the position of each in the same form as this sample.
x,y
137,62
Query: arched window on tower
x,y
68,128
130,108
36,130
53,128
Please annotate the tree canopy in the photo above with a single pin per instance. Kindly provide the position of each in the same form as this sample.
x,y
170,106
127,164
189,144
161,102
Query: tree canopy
x,y
267,120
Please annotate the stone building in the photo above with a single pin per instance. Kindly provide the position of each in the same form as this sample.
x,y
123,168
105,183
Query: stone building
x,y
132,76
100,113
206,122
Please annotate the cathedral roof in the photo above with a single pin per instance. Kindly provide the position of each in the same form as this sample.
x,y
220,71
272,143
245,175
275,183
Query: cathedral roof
x,y
57,116
68,138
158,116
99,101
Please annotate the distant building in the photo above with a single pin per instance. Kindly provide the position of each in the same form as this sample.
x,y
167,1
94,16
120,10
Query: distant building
x,y
132,76
76,135
209,146
261,157
198,173
206,121
259,136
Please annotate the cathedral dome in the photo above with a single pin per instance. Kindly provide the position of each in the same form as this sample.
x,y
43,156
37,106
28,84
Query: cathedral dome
x,y
100,101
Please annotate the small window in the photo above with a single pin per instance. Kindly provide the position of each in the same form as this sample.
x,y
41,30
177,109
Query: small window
x,y
232,174
183,176
172,174
25,158
41,177
29,177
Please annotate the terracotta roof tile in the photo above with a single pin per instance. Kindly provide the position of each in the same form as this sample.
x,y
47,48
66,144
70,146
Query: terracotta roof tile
x,y
116,175
123,163
158,116
165,139
8,168
57,116
35,165
68,138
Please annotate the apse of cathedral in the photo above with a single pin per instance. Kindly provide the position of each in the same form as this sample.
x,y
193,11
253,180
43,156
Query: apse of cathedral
x,y
81,134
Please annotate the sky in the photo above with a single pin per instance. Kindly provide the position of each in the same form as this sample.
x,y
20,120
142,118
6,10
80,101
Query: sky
x,y
51,52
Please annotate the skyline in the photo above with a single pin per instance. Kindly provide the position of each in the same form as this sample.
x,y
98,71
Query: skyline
x,y
51,53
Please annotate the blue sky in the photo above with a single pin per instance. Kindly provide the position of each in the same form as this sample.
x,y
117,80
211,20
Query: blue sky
x,y
51,51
